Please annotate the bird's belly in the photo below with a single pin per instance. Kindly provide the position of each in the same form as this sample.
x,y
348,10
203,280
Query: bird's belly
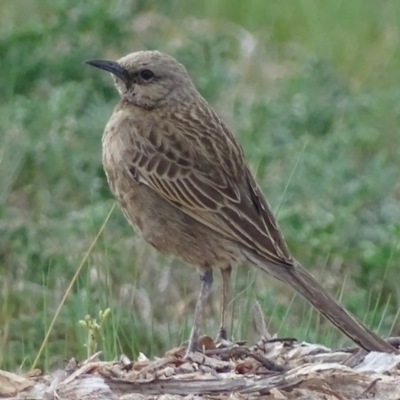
x,y
170,230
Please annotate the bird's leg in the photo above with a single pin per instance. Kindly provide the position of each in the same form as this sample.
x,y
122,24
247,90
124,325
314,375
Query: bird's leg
x,y
226,276
206,277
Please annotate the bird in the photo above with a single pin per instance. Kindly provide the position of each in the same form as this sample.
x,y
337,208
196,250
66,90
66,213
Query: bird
x,y
182,181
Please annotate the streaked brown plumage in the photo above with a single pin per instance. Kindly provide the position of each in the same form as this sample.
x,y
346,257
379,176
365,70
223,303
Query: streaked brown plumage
x,y
181,180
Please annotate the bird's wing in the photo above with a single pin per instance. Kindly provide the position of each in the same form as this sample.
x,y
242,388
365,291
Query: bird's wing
x,y
201,170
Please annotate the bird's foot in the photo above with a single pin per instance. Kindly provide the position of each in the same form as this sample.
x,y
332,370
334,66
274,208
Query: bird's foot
x,y
222,338
222,335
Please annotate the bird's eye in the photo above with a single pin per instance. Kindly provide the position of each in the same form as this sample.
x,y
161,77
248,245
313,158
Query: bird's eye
x,y
146,74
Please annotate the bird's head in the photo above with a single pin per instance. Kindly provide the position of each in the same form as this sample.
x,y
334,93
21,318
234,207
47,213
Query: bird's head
x,y
149,79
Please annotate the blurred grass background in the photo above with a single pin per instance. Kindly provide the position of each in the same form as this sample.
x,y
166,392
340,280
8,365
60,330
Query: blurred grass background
x,y
310,88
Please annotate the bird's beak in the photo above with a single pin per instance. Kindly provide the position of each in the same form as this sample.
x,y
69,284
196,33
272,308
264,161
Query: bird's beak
x,y
113,67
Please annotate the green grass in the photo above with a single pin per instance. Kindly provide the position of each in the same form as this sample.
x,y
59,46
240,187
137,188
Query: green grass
x,y
311,89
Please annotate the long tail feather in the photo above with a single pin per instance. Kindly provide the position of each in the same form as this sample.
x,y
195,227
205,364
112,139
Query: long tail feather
x,y
304,283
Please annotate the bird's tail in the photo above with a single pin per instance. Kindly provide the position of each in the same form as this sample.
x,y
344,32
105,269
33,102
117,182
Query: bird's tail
x,y
304,283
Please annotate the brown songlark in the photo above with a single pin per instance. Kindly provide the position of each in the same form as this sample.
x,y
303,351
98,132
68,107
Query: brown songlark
x,y
182,181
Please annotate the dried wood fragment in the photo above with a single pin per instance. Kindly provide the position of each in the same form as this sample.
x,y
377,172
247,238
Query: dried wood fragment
x,y
273,369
